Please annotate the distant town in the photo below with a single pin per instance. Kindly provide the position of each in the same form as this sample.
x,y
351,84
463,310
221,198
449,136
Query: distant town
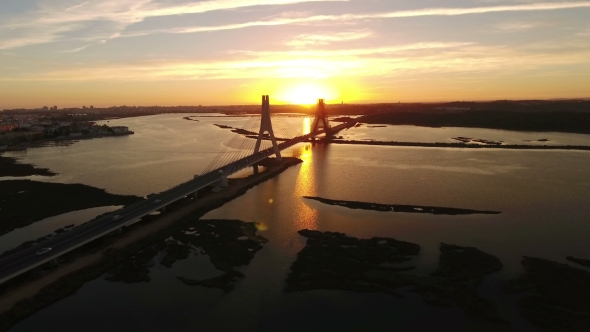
x,y
19,126
18,129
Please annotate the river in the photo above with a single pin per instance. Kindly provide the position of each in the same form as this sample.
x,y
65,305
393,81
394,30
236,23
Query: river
x,y
543,197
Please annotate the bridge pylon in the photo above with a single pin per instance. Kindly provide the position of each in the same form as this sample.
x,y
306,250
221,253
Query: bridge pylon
x,y
266,126
321,120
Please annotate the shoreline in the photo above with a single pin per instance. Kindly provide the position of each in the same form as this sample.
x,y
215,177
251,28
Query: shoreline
x,y
67,140
21,298
370,206
50,199
463,145
10,167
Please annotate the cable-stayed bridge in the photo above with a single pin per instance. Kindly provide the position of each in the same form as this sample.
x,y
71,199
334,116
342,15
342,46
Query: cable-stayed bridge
x,y
247,148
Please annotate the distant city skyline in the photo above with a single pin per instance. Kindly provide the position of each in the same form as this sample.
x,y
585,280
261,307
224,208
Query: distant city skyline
x,y
123,52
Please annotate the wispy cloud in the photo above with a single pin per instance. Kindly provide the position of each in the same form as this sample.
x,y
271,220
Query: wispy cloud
x,y
132,11
29,36
77,49
325,39
51,21
403,60
394,14
520,26
491,9
356,51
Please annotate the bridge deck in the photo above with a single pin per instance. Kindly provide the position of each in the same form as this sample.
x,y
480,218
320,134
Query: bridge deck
x,y
27,259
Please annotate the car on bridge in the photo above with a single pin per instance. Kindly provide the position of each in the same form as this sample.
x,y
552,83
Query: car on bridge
x,y
156,201
44,251
115,218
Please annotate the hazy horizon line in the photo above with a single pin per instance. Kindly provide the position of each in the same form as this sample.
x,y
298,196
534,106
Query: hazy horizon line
x,y
327,103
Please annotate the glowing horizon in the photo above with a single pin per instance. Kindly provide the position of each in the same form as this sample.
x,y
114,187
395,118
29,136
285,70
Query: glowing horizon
x,y
71,53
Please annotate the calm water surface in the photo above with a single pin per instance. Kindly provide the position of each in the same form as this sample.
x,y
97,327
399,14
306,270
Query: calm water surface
x,y
446,134
49,225
543,197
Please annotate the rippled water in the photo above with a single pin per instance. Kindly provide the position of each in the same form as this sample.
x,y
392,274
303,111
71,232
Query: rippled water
x,y
543,197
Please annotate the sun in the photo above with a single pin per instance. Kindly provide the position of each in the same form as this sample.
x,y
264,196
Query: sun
x,y
305,94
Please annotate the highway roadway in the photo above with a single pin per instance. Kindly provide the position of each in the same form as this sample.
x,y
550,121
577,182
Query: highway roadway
x,y
28,259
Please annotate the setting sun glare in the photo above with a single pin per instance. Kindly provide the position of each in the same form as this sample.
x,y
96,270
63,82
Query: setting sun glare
x,y
306,94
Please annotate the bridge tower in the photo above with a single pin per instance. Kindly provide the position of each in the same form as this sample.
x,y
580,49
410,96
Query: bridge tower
x,y
266,126
321,120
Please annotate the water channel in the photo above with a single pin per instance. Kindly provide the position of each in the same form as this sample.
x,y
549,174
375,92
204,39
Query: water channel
x,y
543,197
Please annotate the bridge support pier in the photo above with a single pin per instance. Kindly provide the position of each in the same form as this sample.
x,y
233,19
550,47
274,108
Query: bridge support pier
x,y
255,168
266,126
321,120
223,182
195,195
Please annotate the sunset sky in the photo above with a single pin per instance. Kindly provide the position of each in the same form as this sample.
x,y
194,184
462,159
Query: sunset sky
x,y
71,53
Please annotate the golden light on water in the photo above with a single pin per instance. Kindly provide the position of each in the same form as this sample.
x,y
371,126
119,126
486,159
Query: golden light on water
x,y
306,128
306,186
260,226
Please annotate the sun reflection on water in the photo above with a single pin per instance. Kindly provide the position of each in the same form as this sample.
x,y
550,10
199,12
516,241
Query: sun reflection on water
x,y
306,186
306,128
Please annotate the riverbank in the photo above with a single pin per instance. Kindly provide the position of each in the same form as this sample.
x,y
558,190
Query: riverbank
x,y
399,208
463,145
25,202
34,293
565,118
10,166
60,141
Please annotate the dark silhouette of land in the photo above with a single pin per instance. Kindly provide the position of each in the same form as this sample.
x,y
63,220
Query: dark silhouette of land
x,y
556,295
581,261
333,260
399,208
50,199
10,167
465,145
228,243
560,121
